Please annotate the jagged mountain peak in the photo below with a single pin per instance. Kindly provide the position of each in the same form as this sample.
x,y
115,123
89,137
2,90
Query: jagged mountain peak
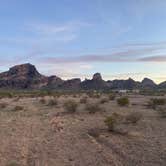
x,y
97,76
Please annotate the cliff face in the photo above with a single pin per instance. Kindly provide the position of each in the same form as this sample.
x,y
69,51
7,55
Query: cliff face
x,y
26,76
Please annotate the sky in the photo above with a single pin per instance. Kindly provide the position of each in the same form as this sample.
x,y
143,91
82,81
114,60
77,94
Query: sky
x,y
77,38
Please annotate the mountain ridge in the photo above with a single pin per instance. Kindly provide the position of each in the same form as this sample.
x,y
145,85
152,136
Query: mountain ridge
x,y
26,76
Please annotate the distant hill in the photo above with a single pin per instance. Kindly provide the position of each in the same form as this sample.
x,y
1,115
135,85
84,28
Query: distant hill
x,y
26,76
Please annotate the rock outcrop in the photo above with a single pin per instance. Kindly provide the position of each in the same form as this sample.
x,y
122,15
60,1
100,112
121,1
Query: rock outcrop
x,y
148,83
96,83
22,77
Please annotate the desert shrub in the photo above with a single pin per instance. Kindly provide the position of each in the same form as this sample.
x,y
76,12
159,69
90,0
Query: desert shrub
x,y
154,102
133,117
112,96
96,95
93,108
112,121
123,101
92,94
42,101
18,108
83,100
71,106
3,105
52,102
162,112
104,100
12,163
94,132
158,101
74,96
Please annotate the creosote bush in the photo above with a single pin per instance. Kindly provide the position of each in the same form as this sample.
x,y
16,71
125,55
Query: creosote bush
x,y
112,96
104,100
71,106
133,117
92,94
18,108
123,101
154,102
83,100
162,111
3,105
42,101
112,121
93,108
52,102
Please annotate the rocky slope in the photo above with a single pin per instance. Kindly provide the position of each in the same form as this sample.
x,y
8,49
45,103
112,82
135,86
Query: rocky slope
x,y
26,76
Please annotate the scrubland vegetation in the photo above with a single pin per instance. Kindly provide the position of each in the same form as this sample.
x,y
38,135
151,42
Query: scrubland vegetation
x,y
105,127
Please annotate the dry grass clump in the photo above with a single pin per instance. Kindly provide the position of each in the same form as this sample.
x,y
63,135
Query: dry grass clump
x,y
18,108
94,132
52,102
154,102
162,111
71,106
94,94
133,117
83,100
16,99
123,101
93,108
3,105
116,120
104,100
112,96
43,101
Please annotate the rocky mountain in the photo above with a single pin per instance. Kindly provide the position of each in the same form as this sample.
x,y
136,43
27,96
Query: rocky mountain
x,y
148,83
95,83
22,77
124,84
26,76
162,85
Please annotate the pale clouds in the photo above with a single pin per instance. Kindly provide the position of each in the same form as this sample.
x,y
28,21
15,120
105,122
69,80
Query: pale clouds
x,y
65,32
126,53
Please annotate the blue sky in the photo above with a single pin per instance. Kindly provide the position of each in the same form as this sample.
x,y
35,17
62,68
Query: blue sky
x,y
76,38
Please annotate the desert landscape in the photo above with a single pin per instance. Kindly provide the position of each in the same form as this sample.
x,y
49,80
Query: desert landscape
x,y
82,83
71,130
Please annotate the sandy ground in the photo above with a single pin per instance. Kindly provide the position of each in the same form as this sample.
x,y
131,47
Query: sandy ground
x,y
43,135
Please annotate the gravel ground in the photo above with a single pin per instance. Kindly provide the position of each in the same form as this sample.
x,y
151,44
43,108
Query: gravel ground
x,y
43,135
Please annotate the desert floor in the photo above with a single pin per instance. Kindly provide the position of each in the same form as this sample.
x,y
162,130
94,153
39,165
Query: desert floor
x,y
41,135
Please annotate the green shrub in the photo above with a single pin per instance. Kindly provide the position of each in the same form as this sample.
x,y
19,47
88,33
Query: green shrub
x,y
71,106
12,163
93,108
112,121
123,101
133,117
